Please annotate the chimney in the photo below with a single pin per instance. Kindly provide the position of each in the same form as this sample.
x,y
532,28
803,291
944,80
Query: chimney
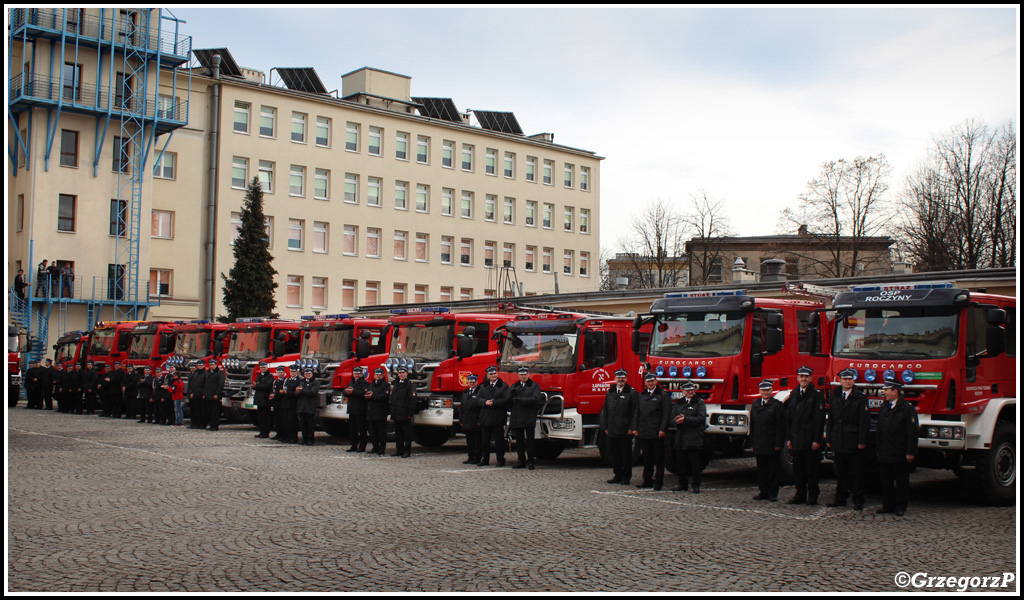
x,y
802,231
773,269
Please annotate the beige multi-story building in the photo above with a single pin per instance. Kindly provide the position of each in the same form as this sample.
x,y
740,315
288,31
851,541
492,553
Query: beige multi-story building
x,y
372,195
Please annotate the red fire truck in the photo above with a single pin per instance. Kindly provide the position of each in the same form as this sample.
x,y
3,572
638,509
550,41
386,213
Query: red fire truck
x,y
17,348
110,343
955,352
151,344
573,358
71,348
196,340
441,349
252,340
728,342
332,346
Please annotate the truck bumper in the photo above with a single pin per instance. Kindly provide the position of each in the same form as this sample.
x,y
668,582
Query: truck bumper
x,y
435,417
567,426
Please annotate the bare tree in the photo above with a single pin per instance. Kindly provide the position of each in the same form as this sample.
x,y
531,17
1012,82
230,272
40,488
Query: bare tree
x,y
960,205
843,209
709,227
653,256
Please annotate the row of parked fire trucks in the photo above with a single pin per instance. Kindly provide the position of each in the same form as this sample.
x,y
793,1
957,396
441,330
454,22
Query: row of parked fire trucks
x,y
954,351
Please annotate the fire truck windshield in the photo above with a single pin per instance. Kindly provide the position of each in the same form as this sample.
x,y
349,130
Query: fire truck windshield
x,y
12,342
249,345
544,352
908,332
698,334
64,352
327,345
101,342
142,345
193,344
423,341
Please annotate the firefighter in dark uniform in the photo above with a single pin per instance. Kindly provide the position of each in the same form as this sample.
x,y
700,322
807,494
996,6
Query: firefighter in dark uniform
x,y
161,394
690,417
469,419
33,387
403,407
650,426
49,376
493,394
277,394
767,435
77,381
131,392
145,395
90,387
290,418
615,420
355,394
60,387
897,447
111,390
524,400
378,404
262,388
805,430
846,433
307,394
196,383
213,391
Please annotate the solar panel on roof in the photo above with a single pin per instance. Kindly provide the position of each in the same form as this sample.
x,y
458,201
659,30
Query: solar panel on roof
x,y
439,108
228,66
303,79
504,122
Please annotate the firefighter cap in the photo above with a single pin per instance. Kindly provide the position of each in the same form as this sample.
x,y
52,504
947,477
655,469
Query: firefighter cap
x,y
357,371
379,371
492,369
280,369
472,377
689,385
766,384
848,373
263,363
804,370
523,370
892,383
649,376
402,370
621,373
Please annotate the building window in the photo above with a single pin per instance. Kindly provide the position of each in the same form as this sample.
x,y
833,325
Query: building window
x,y
159,282
373,242
294,297
297,181
466,252
584,220
299,127
398,293
321,184
165,108
465,294
419,294
446,294
72,82
567,219
531,258
374,147
508,256
267,176
489,254
491,161
21,213
349,240
295,227
163,225
163,166
241,117
489,207
422,149
400,245
116,281
239,172
372,293
467,157
352,137
467,205
68,148
351,188
531,213
373,191
320,236
549,211
446,249
236,226
584,179
118,217
323,132
348,293
401,193
509,216
546,259
401,146
531,168
549,168
569,169
567,260
447,154
510,162
319,297
422,198
422,244
122,155
447,199
585,264
65,212
268,121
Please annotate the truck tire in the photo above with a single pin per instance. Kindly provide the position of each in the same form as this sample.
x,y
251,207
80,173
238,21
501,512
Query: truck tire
x,y
336,428
236,415
431,437
995,472
786,474
549,449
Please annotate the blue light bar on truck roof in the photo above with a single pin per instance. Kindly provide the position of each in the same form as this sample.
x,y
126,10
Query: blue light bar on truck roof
x,y
416,311
933,285
252,320
706,294
323,317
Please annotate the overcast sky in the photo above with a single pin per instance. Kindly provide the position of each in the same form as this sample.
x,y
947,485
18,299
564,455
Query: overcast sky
x,y
744,103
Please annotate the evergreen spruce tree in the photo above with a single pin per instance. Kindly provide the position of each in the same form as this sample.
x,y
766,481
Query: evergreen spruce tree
x,y
249,287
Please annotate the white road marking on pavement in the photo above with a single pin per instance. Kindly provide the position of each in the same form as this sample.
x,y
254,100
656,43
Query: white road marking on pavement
x,y
819,514
464,470
64,437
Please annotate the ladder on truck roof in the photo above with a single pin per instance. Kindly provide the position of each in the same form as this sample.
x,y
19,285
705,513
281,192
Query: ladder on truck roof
x,y
811,291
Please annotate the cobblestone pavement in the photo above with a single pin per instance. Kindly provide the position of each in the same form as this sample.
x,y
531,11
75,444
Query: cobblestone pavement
x,y
104,505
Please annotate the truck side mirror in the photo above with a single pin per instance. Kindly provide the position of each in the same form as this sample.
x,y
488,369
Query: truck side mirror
x,y
464,346
636,340
638,322
773,340
363,346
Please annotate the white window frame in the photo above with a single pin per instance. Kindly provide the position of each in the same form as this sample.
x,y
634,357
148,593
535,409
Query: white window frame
x,y
531,259
371,234
378,134
400,247
373,183
448,153
298,119
266,175
463,209
422,198
160,165
401,139
467,151
510,165
422,242
352,182
170,224
350,232
238,162
464,244
423,142
296,225
352,137
401,195
294,282
508,215
447,202
321,228
272,115
531,169
531,213
325,176
491,162
490,208
318,283
245,109
300,172
447,241
323,123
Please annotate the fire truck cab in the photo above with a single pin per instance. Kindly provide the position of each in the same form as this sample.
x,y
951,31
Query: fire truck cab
x,y
196,340
252,340
71,348
110,343
17,348
151,344
955,352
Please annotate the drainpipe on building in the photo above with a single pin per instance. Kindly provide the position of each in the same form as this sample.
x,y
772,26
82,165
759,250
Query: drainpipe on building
x,y
211,217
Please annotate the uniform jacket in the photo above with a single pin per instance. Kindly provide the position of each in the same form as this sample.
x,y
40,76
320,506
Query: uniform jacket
x,y
524,401
897,432
90,380
291,395
403,400
494,415
131,383
160,393
112,387
767,426
805,418
379,404
146,387
848,422
196,382
653,409
357,401
213,385
469,409
690,433
76,381
262,388
617,412
307,397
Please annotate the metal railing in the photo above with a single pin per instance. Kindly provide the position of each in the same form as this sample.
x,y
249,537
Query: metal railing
x,y
93,27
44,88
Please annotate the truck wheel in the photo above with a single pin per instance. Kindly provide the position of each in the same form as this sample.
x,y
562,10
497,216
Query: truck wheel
x,y
786,473
549,449
431,437
236,415
337,428
995,472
